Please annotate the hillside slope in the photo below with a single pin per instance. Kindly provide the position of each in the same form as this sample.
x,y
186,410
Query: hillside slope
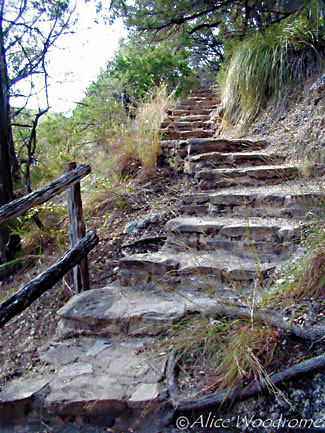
x,y
303,118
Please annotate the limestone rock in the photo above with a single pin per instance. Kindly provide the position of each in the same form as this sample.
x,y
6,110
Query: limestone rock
x,y
105,312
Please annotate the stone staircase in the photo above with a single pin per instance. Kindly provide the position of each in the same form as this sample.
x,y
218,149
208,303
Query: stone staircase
x,y
244,218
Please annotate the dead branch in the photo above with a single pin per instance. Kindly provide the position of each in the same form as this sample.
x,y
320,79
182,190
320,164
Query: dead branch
x,y
304,367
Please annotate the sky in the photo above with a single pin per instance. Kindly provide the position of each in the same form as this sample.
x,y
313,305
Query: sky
x,y
77,59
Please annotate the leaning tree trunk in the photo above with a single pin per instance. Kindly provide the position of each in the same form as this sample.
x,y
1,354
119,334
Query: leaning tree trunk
x,y
8,244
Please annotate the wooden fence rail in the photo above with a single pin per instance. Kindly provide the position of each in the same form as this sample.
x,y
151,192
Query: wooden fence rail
x,y
27,294
21,205
81,244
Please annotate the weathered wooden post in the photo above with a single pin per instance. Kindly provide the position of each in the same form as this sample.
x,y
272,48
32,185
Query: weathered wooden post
x,y
77,231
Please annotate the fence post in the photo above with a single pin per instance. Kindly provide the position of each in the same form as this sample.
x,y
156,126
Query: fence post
x,y
77,231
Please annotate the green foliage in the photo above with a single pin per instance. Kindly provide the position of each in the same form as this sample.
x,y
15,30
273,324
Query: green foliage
x,y
201,26
267,65
53,150
28,30
50,215
139,67
98,115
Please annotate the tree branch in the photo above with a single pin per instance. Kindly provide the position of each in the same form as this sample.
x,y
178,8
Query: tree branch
x,y
233,395
204,26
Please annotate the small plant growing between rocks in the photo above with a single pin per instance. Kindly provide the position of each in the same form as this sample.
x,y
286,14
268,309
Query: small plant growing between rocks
x,y
304,278
218,354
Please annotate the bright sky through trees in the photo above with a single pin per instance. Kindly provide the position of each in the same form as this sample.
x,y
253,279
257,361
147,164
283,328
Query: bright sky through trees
x,y
77,58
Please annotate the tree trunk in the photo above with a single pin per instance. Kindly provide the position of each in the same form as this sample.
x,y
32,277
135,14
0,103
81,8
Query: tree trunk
x,y
8,244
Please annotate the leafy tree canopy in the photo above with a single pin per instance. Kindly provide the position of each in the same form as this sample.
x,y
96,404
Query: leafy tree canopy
x,y
202,25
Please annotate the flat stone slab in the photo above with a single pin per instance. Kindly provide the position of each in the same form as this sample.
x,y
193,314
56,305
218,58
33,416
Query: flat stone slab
x,y
231,227
309,191
22,398
144,394
190,111
160,262
269,238
23,389
236,157
86,389
109,380
75,369
185,126
125,359
108,312
190,118
198,269
207,145
292,201
210,179
61,354
262,172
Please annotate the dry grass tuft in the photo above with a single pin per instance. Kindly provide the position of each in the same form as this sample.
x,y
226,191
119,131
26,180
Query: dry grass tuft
x,y
229,353
265,68
313,279
136,146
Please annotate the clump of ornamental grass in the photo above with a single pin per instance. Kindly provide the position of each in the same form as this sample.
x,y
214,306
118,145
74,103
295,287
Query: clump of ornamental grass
x,y
266,66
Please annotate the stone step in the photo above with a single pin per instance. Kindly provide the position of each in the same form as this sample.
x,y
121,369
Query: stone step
x,y
248,176
226,160
207,92
190,112
203,145
97,381
174,149
293,201
110,312
184,135
266,237
186,125
205,104
202,97
189,118
188,270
